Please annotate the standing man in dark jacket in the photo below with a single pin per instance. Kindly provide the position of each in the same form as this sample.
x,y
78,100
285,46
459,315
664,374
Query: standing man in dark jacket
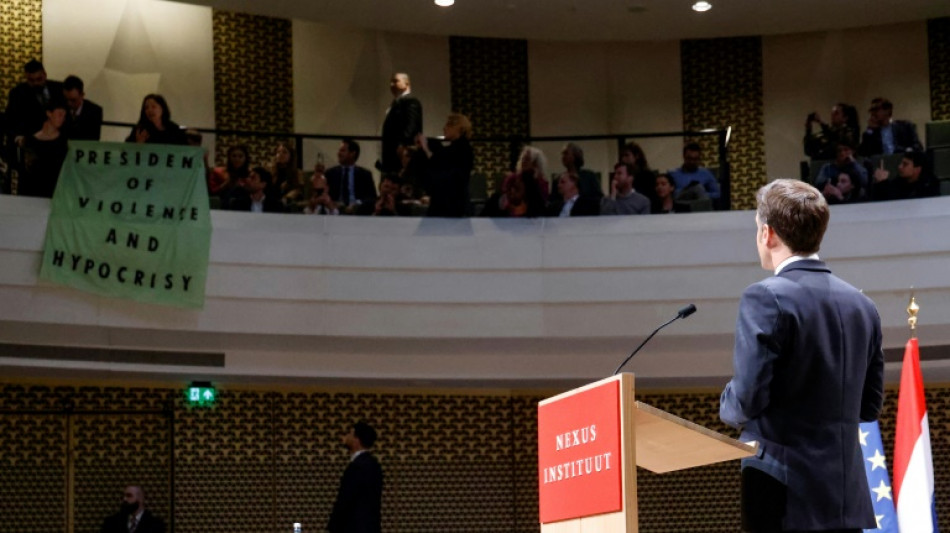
x,y
808,369
403,122
84,121
133,517
358,502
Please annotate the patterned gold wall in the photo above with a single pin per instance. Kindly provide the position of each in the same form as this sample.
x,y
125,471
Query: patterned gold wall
x,y
452,462
489,79
722,86
21,39
938,39
253,80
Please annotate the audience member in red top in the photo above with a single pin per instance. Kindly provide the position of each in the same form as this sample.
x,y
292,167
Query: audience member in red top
x,y
236,168
519,196
532,160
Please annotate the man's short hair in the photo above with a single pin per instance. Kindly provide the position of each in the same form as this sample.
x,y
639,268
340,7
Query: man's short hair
x,y
918,159
692,147
263,174
365,433
352,146
73,83
796,211
32,66
882,103
631,170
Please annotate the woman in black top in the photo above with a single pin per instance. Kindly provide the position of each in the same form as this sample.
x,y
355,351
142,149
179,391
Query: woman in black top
x,y
44,153
449,168
155,125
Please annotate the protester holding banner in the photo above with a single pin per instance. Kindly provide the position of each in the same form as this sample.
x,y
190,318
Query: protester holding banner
x,y
155,124
44,152
808,368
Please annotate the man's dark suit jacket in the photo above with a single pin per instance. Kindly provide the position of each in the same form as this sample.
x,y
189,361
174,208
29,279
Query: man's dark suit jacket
x,y
905,138
808,368
25,113
584,206
240,200
88,125
403,122
118,523
358,502
362,181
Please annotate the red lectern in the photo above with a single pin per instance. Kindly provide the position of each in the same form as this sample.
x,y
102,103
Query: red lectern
x,y
590,441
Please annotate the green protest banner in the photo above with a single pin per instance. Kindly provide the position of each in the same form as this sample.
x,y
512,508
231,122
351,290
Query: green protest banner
x,y
131,221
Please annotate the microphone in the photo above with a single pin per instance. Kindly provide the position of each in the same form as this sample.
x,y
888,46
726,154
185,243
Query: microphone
x,y
682,313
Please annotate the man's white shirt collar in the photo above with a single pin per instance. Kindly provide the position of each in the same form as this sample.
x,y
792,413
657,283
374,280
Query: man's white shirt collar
x,y
781,266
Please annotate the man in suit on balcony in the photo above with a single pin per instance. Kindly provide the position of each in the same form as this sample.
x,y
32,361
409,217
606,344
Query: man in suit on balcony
x,y
359,500
403,122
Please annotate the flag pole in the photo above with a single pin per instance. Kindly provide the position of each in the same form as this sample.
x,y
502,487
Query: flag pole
x,y
912,310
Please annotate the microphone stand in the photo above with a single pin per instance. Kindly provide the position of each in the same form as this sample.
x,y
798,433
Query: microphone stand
x,y
629,357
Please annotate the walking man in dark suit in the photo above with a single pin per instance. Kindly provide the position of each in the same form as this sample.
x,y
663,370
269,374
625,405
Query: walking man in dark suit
x,y
358,502
402,123
84,121
133,517
808,369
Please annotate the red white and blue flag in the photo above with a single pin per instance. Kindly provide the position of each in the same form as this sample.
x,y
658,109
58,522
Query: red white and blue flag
x,y
875,466
913,463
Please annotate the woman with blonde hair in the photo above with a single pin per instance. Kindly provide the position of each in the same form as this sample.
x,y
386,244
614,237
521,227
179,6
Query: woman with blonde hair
x,y
449,168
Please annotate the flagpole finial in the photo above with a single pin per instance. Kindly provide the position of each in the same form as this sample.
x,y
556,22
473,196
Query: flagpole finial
x,y
912,310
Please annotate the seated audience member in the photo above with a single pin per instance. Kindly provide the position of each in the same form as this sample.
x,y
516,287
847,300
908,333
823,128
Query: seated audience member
x,y
27,103
412,172
155,124
44,153
885,135
237,166
665,192
574,204
350,185
644,178
572,157
691,172
258,195
844,128
827,180
449,168
84,121
847,187
390,202
623,198
288,179
519,196
533,161
914,180
320,202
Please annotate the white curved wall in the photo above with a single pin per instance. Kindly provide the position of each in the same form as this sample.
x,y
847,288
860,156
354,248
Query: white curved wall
x,y
500,302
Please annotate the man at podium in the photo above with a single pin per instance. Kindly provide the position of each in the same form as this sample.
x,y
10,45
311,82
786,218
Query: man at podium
x,y
808,367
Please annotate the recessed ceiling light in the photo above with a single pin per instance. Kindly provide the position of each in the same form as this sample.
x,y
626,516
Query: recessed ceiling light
x,y
701,6
444,3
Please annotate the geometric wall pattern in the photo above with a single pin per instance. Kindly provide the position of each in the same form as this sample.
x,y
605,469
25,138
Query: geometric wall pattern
x,y
465,463
253,81
21,39
489,79
722,86
938,49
